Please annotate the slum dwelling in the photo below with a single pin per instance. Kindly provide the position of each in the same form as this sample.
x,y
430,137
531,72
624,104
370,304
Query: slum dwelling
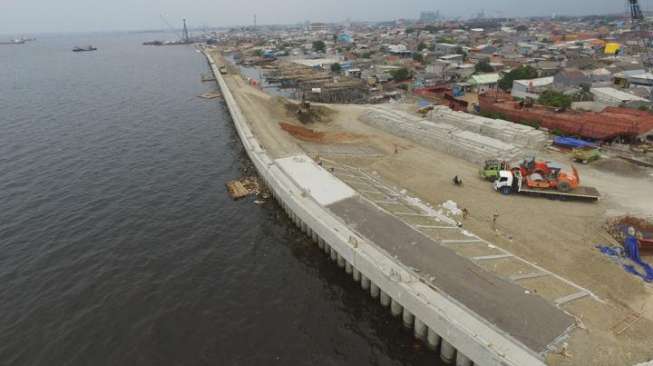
x,y
317,85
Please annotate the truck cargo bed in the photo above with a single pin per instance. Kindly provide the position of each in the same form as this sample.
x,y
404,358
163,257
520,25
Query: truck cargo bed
x,y
581,193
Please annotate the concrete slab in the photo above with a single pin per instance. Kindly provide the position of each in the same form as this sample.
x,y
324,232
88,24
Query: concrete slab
x,y
528,318
315,180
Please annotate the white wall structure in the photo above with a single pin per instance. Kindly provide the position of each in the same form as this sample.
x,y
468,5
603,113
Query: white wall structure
x,y
614,97
443,137
513,133
471,337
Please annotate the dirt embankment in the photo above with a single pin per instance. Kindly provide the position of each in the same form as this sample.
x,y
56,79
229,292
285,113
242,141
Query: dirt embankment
x,y
307,134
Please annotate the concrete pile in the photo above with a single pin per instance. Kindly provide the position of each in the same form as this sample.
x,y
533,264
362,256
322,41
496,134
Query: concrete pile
x,y
442,137
513,133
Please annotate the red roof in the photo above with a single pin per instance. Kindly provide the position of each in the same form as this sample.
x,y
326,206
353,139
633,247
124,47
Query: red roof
x,y
608,124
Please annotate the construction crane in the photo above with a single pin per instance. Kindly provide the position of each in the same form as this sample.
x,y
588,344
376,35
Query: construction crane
x,y
185,35
635,10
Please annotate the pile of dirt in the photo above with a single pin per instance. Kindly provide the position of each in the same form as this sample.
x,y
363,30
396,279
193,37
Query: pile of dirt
x,y
618,227
307,112
307,134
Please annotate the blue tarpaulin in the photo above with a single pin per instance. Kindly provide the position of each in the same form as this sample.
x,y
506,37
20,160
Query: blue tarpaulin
x,y
631,249
572,142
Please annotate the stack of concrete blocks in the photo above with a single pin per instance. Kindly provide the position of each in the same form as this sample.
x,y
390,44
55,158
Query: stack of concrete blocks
x,y
519,135
442,137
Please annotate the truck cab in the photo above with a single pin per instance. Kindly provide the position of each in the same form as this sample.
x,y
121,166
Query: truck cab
x,y
508,182
491,169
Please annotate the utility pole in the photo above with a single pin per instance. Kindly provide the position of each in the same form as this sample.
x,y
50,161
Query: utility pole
x,y
185,35
635,11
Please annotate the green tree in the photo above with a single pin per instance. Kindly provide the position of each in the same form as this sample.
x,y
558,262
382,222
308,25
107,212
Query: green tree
x,y
521,73
418,57
401,74
432,28
483,67
461,51
422,46
446,40
319,46
336,68
555,99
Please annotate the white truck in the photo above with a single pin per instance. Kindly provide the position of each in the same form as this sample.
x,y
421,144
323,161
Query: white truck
x,y
509,182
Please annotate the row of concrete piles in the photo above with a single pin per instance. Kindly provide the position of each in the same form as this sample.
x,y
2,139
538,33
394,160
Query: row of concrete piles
x,y
421,331
443,137
517,134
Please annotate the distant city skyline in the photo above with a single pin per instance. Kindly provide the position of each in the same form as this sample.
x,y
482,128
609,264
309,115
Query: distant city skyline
x,y
44,16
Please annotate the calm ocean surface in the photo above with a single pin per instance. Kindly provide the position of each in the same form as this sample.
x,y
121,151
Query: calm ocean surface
x,y
119,244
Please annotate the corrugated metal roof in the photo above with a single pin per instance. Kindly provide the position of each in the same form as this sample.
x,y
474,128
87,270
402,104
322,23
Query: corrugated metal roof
x,y
536,82
617,94
608,124
484,79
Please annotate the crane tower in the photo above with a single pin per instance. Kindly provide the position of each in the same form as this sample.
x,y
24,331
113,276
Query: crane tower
x,y
635,11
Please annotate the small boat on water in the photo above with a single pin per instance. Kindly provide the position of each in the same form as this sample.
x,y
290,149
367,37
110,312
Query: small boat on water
x,y
15,41
84,49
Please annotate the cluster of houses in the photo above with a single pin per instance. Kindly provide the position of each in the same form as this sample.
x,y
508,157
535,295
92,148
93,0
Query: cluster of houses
x,y
606,61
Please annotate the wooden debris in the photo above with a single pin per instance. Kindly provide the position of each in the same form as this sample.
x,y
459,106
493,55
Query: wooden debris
x,y
243,187
211,95
208,77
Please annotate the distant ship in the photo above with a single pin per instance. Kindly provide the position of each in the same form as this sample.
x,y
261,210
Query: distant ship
x,y
15,41
84,49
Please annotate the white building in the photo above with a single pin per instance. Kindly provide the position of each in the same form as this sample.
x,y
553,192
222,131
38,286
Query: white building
x,y
531,88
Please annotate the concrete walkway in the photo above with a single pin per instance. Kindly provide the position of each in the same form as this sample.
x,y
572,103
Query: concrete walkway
x,y
526,317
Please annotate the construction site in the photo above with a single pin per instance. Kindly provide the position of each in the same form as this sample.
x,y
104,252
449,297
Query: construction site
x,y
421,167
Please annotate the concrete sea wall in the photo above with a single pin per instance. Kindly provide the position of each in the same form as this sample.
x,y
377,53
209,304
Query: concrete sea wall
x,y
459,334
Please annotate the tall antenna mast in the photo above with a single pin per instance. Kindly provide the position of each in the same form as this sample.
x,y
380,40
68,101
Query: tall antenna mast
x,y
254,22
185,34
635,11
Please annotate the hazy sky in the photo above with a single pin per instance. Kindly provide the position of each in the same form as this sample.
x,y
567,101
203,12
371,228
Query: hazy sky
x,y
33,16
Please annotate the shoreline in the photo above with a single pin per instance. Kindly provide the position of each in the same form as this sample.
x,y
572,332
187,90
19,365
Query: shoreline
x,y
430,312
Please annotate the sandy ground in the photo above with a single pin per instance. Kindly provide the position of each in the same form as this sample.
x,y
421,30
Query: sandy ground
x,y
559,236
